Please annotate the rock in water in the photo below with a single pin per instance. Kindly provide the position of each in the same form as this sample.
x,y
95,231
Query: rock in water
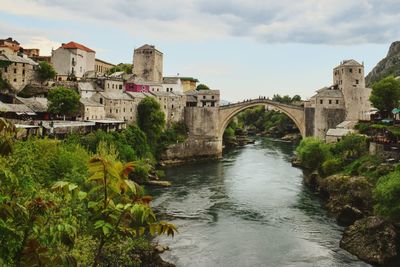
x,y
348,215
372,240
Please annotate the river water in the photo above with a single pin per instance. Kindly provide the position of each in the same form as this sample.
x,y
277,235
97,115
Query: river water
x,y
248,209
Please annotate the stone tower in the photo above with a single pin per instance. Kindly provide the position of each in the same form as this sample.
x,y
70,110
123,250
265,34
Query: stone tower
x,y
349,78
148,63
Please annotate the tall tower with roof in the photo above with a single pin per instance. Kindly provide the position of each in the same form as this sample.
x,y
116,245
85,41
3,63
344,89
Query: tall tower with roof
x,y
148,63
349,78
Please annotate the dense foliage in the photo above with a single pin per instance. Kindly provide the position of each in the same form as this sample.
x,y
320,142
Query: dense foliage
x,y
63,102
62,205
312,153
127,68
46,71
286,99
151,120
387,194
202,87
385,95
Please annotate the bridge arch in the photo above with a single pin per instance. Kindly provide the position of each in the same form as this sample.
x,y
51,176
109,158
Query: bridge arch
x,y
227,112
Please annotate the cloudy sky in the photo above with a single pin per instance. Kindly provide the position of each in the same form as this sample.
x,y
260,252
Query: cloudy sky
x,y
245,48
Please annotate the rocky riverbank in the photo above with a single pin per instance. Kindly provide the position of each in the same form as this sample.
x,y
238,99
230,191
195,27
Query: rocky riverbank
x,y
350,200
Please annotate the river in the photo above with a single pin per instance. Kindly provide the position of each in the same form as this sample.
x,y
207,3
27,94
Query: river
x,y
248,209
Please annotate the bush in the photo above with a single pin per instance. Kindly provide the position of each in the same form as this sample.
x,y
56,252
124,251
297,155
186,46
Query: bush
x,y
332,166
386,195
351,146
312,153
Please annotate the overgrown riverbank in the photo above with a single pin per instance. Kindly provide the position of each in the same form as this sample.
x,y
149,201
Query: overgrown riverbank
x,y
360,190
77,201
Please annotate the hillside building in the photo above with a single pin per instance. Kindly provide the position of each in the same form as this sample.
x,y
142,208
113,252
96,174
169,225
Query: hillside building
x,y
148,64
72,60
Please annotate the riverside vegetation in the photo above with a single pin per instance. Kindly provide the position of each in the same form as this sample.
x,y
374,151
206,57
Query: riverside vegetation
x,y
360,190
75,202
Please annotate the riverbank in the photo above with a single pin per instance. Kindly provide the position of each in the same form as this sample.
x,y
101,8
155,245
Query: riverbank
x,y
349,188
248,209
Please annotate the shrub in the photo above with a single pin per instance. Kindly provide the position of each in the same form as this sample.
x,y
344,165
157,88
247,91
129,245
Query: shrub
x,y
312,153
351,146
386,195
332,166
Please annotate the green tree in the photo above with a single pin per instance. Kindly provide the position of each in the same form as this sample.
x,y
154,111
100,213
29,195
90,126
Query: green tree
x,y
351,147
386,195
127,68
296,98
7,135
46,71
282,99
151,120
312,153
385,95
202,87
63,101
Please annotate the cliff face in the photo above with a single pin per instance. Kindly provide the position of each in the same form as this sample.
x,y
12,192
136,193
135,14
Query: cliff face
x,y
390,65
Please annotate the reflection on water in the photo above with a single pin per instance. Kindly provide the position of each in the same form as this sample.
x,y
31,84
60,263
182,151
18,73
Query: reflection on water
x,y
248,209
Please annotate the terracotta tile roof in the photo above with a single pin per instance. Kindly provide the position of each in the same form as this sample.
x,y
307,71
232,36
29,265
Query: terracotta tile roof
x,y
73,45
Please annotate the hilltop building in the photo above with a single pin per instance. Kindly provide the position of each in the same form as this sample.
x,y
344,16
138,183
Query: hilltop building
x,y
13,45
347,100
102,67
18,71
72,60
148,64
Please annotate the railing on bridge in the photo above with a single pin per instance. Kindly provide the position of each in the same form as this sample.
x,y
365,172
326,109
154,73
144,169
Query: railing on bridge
x,y
262,100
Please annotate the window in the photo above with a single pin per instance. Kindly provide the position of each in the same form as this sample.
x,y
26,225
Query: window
x,y
120,86
204,97
113,86
357,81
23,64
212,97
330,101
110,110
116,111
212,104
321,101
101,100
15,80
131,109
124,109
351,70
87,118
167,89
5,69
165,107
359,70
337,101
23,72
172,106
15,70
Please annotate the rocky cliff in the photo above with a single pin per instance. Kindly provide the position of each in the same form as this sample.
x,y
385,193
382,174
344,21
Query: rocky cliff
x,y
390,65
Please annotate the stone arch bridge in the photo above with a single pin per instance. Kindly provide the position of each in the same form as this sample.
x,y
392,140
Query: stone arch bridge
x,y
227,112
207,125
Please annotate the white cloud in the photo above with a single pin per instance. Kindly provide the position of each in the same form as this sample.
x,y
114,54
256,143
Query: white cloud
x,y
286,21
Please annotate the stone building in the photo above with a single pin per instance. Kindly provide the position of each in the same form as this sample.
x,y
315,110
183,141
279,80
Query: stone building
x,y
117,105
203,98
148,63
91,110
102,67
172,104
172,84
18,71
113,85
346,100
87,89
32,52
349,78
11,44
72,60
